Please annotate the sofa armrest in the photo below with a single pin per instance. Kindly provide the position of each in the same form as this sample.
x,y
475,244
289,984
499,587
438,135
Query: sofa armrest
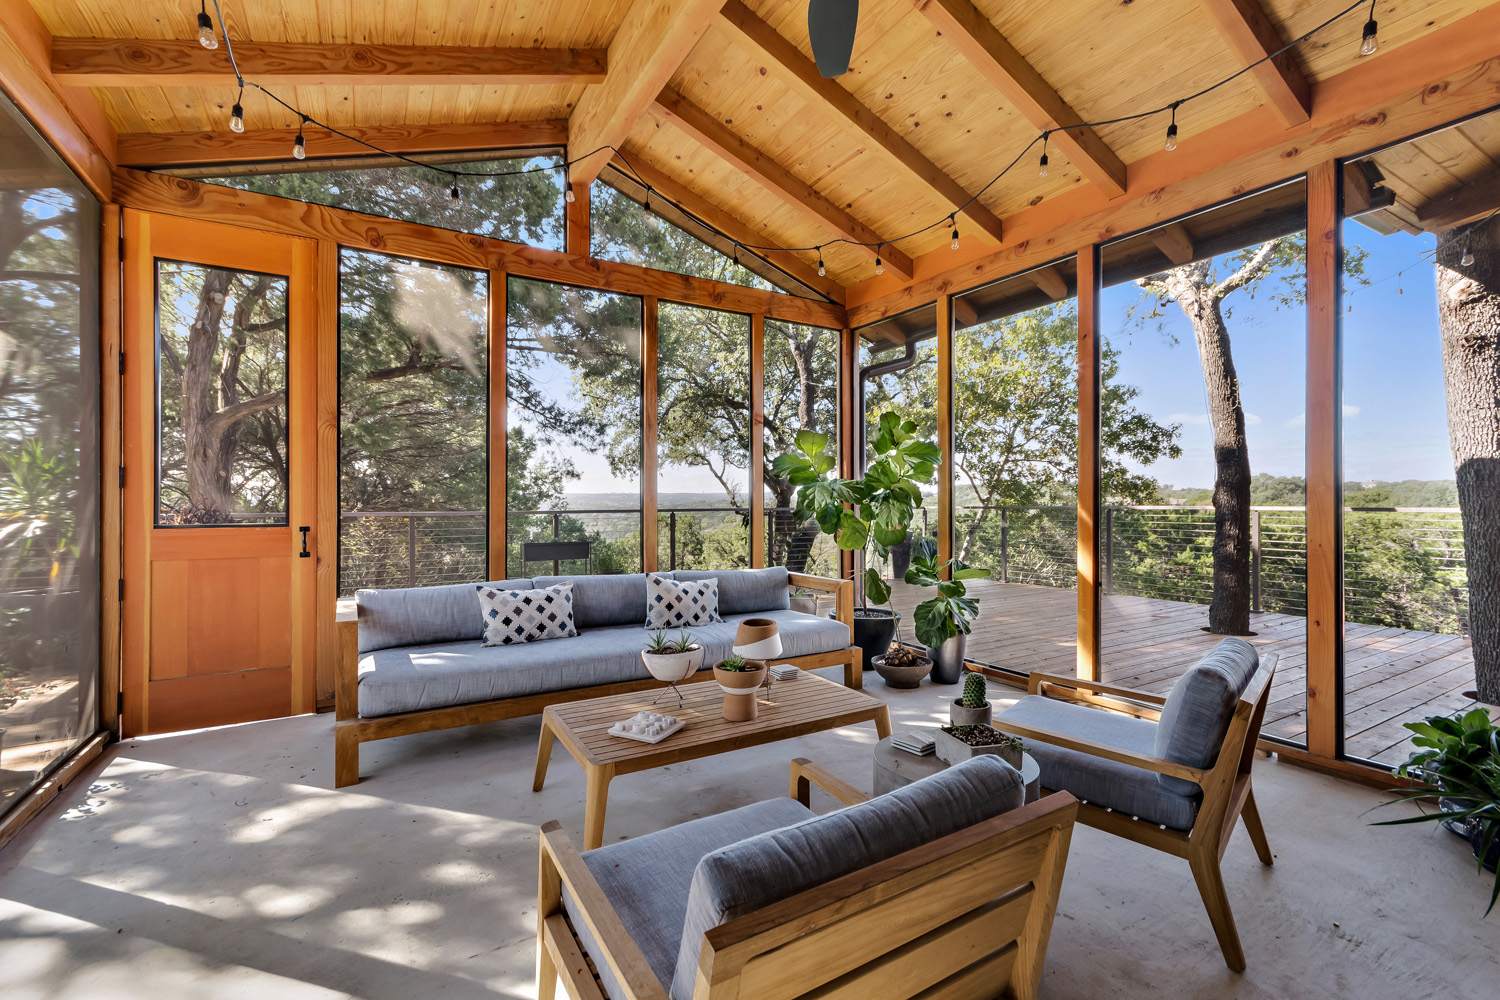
x,y
805,774
346,670
842,591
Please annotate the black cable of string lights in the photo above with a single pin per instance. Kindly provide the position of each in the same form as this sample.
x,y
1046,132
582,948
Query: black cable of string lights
x,y
1369,44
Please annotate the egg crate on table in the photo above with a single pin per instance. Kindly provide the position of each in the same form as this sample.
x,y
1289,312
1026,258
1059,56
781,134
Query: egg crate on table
x,y
647,727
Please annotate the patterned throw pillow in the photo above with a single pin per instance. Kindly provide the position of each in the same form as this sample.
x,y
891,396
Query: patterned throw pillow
x,y
513,616
681,603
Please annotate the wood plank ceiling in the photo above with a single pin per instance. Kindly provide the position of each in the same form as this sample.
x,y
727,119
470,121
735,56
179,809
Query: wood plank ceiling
x,y
717,99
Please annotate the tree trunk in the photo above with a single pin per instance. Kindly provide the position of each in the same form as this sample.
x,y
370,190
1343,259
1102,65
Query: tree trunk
x,y
1469,329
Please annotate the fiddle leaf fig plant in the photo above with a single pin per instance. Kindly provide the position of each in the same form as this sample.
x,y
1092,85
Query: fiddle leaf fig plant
x,y
952,611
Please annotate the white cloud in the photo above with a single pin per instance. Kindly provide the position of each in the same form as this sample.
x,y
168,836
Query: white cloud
x,y
1251,419
1297,421
1350,410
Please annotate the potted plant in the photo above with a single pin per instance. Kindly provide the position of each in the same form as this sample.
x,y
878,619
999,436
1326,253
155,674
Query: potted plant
x,y
804,601
957,743
943,623
900,666
973,709
672,659
739,679
868,515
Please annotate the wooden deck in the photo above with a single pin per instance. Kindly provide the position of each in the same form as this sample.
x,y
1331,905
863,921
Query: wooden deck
x,y
1391,675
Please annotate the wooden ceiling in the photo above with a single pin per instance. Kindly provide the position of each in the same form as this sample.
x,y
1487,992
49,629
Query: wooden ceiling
x,y
717,99
1431,184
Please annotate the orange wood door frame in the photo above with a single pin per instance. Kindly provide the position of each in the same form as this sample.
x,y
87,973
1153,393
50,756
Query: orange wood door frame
x,y
1089,289
219,623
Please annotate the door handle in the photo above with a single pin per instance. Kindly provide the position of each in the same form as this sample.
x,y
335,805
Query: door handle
x,y
304,554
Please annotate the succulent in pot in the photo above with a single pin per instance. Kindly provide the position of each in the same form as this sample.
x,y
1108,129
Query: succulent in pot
x,y
672,659
739,679
901,666
958,743
973,709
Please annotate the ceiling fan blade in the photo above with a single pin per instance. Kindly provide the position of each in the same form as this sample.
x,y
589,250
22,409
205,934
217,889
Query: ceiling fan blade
x,y
830,26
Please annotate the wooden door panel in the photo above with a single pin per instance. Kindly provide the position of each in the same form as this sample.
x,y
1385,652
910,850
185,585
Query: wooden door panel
x,y
221,699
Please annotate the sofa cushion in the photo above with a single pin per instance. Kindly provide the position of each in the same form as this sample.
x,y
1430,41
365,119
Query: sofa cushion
x,y
512,617
801,635
681,603
418,615
1121,787
604,600
647,879
768,867
746,591
1198,709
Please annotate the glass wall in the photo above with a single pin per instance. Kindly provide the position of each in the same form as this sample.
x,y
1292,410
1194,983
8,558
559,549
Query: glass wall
x,y
801,393
573,445
413,422
1421,435
1015,466
1203,527
703,438
49,433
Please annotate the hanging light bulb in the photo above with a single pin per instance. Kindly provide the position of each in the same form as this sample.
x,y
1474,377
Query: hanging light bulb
x,y
1042,167
1171,143
821,269
453,194
568,194
206,36
646,206
879,264
954,223
1369,41
299,145
567,184
236,118
1467,260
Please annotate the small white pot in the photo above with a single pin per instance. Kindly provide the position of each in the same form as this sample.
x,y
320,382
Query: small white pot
x,y
673,667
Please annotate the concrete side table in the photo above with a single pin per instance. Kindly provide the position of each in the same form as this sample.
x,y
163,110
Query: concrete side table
x,y
896,768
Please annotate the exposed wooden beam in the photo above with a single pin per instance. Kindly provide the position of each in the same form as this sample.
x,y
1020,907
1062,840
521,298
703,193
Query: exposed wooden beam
x,y
705,129
1362,192
803,73
964,313
1050,280
653,41
173,62
730,226
1252,35
1478,197
988,51
156,149
1174,241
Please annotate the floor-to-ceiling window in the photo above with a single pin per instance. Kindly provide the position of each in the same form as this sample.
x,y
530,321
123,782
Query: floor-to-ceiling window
x,y
1203,528
801,394
49,458
574,424
413,433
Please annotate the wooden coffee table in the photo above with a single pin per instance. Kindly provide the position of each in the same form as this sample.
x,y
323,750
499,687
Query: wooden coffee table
x,y
809,704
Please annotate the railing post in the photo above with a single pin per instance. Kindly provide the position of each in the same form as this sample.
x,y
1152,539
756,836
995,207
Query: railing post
x,y
1255,560
556,566
1005,545
411,551
672,540
1109,550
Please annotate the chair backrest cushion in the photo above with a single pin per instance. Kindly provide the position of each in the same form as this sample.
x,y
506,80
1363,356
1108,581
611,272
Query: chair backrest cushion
x,y
753,873
603,600
1198,709
746,591
416,616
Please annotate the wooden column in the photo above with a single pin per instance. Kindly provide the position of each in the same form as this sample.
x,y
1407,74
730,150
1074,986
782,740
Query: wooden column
x,y
579,220
648,434
1325,501
945,429
757,440
849,418
328,522
499,427
1088,462
110,493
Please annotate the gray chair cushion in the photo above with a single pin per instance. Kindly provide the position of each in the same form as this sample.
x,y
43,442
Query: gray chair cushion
x,y
646,880
419,615
604,600
743,591
1199,707
1121,787
768,867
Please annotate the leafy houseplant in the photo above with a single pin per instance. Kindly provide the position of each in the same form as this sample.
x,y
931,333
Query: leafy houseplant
x,y
973,708
943,623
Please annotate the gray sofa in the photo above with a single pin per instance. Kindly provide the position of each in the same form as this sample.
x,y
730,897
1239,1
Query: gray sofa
x,y
412,659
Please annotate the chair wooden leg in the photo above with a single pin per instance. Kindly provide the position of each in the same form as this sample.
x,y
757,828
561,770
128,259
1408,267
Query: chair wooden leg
x,y
1257,832
854,670
1210,881
345,757
546,972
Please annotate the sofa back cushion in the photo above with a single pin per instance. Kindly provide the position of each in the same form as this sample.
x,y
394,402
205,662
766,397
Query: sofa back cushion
x,y
1198,709
417,616
763,869
745,591
604,600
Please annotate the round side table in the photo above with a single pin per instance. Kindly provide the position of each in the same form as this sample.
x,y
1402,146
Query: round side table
x,y
895,768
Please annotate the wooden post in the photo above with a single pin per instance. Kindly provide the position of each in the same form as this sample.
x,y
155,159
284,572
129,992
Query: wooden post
x,y
499,427
848,423
1088,462
649,406
110,462
757,440
328,522
579,220
1325,502
945,429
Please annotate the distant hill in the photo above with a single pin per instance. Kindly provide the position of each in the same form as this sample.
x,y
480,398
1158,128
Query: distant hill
x,y
1291,491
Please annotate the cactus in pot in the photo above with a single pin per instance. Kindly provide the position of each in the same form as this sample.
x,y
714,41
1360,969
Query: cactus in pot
x,y
973,709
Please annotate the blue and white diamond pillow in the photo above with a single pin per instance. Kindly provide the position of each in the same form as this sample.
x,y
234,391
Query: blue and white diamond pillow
x,y
681,603
515,616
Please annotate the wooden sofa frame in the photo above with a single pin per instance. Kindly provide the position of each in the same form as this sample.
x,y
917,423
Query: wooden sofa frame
x,y
350,730
1227,794
967,916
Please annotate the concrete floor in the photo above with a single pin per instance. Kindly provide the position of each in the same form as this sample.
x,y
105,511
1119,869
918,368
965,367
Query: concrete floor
x,y
222,864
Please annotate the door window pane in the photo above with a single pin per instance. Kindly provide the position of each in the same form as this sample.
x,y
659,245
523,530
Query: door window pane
x,y
221,361
801,393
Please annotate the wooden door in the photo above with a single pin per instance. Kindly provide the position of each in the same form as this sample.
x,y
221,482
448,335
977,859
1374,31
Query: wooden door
x,y
219,475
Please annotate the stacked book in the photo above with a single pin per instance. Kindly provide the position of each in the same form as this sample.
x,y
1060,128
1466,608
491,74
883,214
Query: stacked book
x,y
918,743
784,671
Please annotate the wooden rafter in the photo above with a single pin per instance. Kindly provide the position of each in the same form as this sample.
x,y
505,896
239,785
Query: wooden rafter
x,y
1252,35
705,129
803,73
653,41
1175,242
172,62
988,51
1051,281
1472,200
199,148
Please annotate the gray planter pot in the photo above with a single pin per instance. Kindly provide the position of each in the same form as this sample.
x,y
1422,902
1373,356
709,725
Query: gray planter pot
x,y
806,605
961,716
948,660
951,750
901,677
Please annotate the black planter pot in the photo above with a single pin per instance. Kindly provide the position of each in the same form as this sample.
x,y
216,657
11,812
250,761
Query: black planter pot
x,y
874,628
1476,841
900,560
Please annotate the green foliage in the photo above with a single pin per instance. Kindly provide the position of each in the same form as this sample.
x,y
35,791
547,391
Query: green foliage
x,y
735,663
952,611
975,691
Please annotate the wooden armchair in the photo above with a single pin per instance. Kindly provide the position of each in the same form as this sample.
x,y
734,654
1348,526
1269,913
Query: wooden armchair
x,y
963,915
1122,741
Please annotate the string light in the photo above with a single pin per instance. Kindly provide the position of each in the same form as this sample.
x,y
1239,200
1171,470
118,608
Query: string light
x,y
568,195
299,146
237,114
1369,42
821,269
206,36
1042,167
1467,260
879,264
453,194
954,222
1171,143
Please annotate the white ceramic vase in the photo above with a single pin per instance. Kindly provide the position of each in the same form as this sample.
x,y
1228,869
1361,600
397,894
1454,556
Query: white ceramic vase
x,y
673,667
